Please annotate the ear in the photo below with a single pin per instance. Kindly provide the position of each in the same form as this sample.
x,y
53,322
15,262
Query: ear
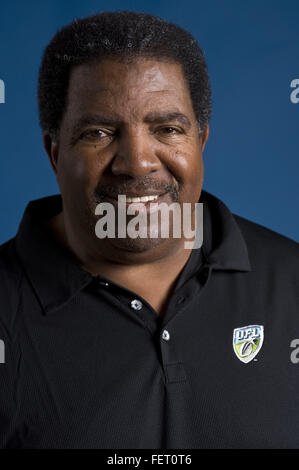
x,y
204,137
52,148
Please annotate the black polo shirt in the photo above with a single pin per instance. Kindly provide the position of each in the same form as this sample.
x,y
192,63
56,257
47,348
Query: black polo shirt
x,y
90,364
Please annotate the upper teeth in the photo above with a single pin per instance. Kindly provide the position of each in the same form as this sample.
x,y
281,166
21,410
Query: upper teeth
x,y
141,199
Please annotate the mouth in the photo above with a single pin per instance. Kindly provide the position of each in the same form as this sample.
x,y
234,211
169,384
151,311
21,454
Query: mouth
x,y
150,198
137,202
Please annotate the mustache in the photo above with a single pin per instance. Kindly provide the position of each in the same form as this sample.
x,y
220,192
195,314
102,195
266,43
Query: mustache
x,y
113,190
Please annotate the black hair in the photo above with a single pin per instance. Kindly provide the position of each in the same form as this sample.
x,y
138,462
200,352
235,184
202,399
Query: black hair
x,y
123,36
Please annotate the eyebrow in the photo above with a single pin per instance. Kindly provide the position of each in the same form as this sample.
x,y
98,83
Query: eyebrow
x,y
161,117
153,117
96,120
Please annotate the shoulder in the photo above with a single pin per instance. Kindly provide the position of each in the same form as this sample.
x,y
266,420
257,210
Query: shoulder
x,y
264,237
11,275
267,247
10,279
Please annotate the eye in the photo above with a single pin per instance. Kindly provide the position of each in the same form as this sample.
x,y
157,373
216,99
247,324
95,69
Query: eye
x,y
169,130
96,134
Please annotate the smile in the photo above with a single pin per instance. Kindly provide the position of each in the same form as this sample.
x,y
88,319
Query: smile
x,y
141,199
139,202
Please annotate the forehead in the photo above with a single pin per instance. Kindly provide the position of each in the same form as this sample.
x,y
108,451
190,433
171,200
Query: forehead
x,y
128,88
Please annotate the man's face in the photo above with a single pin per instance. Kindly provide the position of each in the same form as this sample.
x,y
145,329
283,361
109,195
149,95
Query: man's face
x,y
128,129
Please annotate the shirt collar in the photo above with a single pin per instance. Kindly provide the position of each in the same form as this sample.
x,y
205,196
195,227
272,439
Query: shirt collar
x,y
53,271
224,247
56,275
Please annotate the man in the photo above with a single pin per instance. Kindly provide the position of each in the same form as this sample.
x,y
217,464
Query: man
x,y
124,342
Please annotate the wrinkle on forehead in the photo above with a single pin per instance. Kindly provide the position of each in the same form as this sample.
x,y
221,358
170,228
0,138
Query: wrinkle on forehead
x,y
158,91
129,90
153,77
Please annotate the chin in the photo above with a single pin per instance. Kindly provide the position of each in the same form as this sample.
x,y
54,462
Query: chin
x,y
136,245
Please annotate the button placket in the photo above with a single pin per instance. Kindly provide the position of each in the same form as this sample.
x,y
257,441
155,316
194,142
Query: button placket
x,y
173,367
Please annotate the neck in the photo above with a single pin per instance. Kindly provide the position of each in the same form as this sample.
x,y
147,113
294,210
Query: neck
x,y
153,279
170,263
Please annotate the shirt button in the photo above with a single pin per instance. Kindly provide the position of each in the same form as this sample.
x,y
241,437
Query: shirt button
x,y
136,304
166,335
104,283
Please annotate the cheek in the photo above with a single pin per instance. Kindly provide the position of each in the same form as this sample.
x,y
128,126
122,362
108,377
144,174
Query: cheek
x,y
189,172
186,165
78,171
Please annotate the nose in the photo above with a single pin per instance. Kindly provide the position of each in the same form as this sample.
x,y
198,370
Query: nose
x,y
135,155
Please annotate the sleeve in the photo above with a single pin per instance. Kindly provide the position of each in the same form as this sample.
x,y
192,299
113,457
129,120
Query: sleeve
x,y
10,351
8,391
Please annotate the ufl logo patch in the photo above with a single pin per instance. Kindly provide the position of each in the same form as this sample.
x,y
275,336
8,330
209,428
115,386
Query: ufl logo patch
x,y
247,342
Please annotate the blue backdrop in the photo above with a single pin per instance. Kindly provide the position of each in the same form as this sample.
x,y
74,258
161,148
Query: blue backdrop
x,y
252,49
